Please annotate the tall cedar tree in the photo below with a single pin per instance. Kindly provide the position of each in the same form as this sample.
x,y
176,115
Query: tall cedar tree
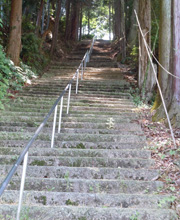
x,y
14,44
56,28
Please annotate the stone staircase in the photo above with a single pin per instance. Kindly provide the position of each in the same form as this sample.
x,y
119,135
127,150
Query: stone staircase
x,y
98,169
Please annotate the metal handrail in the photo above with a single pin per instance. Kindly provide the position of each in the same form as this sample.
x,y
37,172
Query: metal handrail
x,y
24,154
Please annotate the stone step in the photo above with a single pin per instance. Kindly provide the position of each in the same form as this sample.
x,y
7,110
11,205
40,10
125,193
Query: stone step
x,y
67,126
74,144
82,199
75,102
74,114
81,109
91,130
84,172
87,186
90,93
86,213
80,161
84,99
76,137
37,120
144,154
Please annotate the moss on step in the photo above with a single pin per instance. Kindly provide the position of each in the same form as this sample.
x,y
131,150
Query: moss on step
x,y
38,163
41,199
69,202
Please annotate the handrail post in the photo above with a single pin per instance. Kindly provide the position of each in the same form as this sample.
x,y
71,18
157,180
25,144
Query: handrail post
x,y
22,186
69,96
54,127
82,70
60,115
77,81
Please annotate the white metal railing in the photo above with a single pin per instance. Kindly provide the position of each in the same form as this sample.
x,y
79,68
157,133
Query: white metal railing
x,y
59,101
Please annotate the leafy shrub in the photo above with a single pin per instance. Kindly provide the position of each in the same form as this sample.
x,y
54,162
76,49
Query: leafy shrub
x,y
12,78
31,52
87,36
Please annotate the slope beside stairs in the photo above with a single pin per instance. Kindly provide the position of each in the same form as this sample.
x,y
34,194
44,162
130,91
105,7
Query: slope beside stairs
x,y
98,169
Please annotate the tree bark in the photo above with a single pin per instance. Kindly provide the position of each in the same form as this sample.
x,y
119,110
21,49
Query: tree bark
x,y
110,20
165,56
174,109
122,32
56,28
80,23
74,20
14,45
38,22
145,21
117,18
67,31
132,36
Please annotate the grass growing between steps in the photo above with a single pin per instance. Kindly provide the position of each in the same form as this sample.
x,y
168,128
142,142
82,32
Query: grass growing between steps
x,y
166,156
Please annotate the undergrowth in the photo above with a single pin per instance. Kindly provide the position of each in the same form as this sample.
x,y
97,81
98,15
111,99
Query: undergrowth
x,y
12,78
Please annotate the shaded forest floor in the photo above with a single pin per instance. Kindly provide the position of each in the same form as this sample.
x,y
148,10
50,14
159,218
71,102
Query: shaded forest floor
x,y
159,141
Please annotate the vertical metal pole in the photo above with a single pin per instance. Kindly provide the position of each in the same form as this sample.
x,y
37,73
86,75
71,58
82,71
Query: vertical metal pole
x,y
22,185
77,81
85,60
69,96
60,115
54,127
82,70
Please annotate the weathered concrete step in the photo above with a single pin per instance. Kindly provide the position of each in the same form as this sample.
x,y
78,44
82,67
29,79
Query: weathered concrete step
x,y
86,213
85,93
101,145
74,104
103,83
80,161
82,199
76,137
67,126
106,129
81,109
86,186
74,144
74,113
35,120
80,98
143,154
84,172
42,103
56,86
99,138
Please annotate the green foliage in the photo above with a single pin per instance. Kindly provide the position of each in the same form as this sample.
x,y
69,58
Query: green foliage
x,y
135,93
134,54
31,52
12,78
87,36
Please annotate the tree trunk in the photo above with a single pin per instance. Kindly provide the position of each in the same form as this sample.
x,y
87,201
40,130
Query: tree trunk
x,y
145,21
67,31
14,45
122,32
174,109
74,20
110,20
42,24
165,57
48,17
132,36
80,23
56,28
38,22
88,21
117,18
